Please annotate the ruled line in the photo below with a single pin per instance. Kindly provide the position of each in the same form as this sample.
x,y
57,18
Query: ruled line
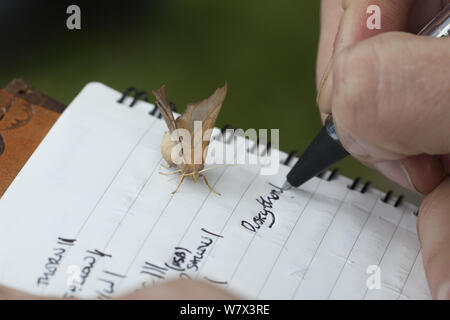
x,y
199,209
131,205
387,247
226,223
115,176
353,246
409,274
106,191
288,237
156,222
320,243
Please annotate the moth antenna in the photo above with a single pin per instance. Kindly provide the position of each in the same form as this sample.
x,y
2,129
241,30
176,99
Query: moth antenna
x,y
179,184
173,178
183,174
216,167
192,173
210,188
169,173
164,166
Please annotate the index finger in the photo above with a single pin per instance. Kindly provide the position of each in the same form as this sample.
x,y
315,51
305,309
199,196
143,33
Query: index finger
x,y
434,233
330,15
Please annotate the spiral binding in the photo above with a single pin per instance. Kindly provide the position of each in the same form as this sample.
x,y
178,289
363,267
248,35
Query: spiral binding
x,y
223,132
142,95
327,175
334,173
388,197
356,182
291,155
356,185
136,96
256,146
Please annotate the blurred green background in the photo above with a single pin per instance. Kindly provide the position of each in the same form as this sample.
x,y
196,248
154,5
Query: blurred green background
x,y
266,50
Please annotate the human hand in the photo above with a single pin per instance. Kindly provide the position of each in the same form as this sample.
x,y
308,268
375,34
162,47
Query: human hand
x,y
169,290
389,93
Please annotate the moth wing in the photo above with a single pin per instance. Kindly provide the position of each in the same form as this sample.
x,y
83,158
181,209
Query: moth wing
x,y
163,103
205,111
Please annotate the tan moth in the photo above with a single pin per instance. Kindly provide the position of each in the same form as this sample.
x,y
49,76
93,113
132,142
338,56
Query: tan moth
x,y
186,143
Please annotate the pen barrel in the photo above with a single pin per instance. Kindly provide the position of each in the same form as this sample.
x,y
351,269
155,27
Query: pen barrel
x,y
439,26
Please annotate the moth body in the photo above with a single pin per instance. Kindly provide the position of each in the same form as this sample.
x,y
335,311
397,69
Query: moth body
x,y
172,154
167,148
193,170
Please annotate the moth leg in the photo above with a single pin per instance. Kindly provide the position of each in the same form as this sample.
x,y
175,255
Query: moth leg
x,y
165,167
210,188
169,173
181,181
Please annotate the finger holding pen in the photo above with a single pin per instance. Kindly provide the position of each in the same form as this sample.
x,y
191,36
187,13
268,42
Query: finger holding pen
x,y
343,24
389,95
389,98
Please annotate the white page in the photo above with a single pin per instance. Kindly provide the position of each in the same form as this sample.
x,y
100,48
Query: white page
x,y
94,182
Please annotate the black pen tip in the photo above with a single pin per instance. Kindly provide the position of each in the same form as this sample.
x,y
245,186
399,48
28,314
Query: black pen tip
x,y
322,153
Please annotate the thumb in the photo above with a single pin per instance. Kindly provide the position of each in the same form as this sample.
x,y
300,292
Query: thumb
x,y
389,96
434,233
7,293
181,290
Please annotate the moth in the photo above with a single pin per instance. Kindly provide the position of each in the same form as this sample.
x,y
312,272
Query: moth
x,y
189,134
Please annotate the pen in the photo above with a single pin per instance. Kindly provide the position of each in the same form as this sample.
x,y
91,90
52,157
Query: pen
x,y
326,149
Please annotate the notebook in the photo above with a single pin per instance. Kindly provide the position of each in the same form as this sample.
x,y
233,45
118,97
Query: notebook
x,y
90,216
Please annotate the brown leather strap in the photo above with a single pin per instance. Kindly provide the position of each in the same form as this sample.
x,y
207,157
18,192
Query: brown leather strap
x,y
20,88
26,115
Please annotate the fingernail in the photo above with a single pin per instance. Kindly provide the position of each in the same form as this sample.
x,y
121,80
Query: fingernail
x,y
396,171
326,84
346,25
444,292
325,89
346,4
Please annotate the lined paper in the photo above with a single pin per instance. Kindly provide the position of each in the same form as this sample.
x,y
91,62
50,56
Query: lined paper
x,y
90,216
